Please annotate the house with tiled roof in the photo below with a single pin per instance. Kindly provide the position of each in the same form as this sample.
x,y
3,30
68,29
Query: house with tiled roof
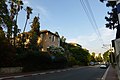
x,y
45,40
48,38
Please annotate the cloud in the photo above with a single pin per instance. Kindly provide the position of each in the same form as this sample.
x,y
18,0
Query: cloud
x,y
92,42
107,34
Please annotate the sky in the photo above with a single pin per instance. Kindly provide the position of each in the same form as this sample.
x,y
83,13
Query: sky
x,y
68,18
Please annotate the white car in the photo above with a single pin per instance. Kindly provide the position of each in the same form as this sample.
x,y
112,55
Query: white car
x,y
103,66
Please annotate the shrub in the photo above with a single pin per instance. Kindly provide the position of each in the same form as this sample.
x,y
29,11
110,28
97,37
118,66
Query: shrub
x,y
60,62
36,61
7,55
72,61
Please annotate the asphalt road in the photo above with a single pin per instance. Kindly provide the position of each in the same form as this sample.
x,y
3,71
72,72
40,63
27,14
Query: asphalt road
x,y
82,73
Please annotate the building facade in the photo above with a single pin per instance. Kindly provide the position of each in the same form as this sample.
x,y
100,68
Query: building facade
x,y
47,39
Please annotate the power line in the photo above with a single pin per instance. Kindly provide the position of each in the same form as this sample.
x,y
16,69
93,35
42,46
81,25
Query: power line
x,y
91,18
88,14
89,7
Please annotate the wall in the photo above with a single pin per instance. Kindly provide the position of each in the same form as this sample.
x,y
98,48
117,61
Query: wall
x,y
10,70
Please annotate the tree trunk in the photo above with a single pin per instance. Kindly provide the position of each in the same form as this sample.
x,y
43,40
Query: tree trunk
x,y
118,32
25,25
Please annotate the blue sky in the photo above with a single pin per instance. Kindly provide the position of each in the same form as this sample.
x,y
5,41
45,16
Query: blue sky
x,y
68,18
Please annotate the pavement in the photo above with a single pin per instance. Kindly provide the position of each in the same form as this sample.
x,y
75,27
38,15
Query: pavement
x,y
29,74
110,74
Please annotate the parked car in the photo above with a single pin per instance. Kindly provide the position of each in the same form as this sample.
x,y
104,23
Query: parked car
x,y
103,66
92,63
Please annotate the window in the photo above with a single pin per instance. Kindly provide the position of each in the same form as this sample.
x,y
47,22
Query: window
x,y
41,36
52,38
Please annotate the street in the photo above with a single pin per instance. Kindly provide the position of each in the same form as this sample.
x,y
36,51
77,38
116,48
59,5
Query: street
x,y
82,73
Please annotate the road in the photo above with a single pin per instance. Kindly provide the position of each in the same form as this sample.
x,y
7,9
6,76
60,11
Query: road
x,y
82,73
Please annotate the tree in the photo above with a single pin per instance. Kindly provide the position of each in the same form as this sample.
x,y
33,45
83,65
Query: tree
x,y
15,7
9,12
65,45
34,33
5,21
7,52
93,57
99,58
106,56
93,54
29,11
112,19
81,55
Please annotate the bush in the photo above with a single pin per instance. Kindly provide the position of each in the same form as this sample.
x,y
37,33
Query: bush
x,y
60,62
36,61
72,61
7,55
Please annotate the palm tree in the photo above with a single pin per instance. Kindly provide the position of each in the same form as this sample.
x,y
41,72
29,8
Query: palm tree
x,y
29,11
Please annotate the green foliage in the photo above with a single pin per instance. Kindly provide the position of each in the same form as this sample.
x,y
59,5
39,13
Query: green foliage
x,y
99,58
81,55
56,51
106,56
32,61
112,18
5,20
72,61
7,52
92,58
60,62
34,33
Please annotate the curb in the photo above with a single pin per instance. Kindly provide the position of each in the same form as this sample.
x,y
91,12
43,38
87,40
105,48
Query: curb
x,y
34,74
105,74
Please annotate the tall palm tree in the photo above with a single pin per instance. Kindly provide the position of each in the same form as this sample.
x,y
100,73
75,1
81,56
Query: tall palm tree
x,y
29,11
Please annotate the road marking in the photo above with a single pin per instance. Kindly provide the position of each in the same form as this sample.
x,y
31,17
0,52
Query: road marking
x,y
35,74
58,71
51,71
42,73
18,76
64,70
7,78
105,74
27,75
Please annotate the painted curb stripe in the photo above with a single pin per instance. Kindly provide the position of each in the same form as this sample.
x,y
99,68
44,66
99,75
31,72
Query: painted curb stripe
x,y
105,74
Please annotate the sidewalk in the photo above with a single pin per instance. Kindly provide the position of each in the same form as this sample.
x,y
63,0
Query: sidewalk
x,y
111,74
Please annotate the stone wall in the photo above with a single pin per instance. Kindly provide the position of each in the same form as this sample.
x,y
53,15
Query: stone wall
x,y
10,70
